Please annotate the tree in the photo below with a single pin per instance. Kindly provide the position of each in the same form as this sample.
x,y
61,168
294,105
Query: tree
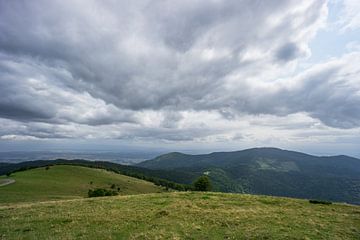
x,y
101,192
202,184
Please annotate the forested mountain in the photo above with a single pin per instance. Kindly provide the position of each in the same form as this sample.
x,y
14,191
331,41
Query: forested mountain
x,y
271,171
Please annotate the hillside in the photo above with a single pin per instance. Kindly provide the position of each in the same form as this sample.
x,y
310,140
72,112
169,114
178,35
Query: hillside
x,y
67,182
180,216
159,177
270,171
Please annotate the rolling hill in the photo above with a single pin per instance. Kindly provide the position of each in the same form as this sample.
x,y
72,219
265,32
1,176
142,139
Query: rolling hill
x,y
270,171
186,215
159,177
68,182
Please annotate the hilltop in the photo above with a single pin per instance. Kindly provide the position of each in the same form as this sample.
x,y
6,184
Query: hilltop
x,y
68,182
186,215
269,171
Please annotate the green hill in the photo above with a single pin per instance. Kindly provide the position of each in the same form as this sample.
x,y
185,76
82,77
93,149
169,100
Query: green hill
x,y
269,171
158,177
185,215
68,182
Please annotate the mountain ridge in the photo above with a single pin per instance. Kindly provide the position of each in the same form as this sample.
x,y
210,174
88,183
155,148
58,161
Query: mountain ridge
x,y
271,171
258,151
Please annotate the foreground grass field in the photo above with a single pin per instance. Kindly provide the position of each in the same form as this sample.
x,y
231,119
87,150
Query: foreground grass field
x,y
183,215
67,182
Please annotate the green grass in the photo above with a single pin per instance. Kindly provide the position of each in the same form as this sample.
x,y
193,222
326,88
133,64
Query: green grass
x,y
180,216
67,182
28,210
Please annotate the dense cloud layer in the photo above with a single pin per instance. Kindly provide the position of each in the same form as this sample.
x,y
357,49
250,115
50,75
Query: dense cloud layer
x,y
172,70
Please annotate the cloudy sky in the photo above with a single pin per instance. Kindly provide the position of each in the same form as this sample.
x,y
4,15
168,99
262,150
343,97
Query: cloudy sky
x,y
187,74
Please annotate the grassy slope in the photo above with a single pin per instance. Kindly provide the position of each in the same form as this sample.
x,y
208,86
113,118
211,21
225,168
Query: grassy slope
x,y
67,182
180,216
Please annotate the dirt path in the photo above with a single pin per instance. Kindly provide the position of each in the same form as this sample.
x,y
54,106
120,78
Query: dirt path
x,y
7,181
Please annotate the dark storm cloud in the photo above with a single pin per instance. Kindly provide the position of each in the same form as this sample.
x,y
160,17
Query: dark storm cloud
x,y
288,52
9,109
32,91
103,63
330,92
147,55
19,101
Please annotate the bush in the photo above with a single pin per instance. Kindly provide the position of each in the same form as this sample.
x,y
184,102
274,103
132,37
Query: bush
x,y
320,202
202,184
101,192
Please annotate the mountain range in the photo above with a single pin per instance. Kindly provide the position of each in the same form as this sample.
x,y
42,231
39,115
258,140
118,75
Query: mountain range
x,y
264,171
268,171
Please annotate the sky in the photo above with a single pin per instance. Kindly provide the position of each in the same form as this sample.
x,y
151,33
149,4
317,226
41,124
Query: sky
x,y
199,75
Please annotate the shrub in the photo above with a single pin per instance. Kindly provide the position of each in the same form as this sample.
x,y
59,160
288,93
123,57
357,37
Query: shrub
x,y
47,167
319,202
202,184
162,213
101,192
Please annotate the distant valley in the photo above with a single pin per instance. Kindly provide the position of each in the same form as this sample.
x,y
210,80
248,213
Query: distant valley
x,y
126,158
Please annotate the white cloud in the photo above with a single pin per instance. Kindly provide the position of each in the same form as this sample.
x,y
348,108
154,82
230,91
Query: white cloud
x,y
350,15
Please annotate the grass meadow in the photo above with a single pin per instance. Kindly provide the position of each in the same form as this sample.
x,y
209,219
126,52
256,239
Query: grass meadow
x,y
180,215
67,182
